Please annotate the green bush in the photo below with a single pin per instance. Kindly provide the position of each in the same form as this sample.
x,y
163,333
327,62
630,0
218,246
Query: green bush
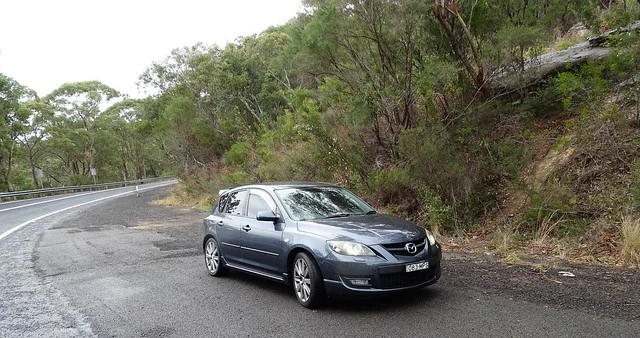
x,y
434,213
393,189
239,155
435,162
512,156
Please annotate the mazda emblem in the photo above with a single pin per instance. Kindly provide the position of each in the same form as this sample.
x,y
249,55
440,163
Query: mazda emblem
x,y
411,248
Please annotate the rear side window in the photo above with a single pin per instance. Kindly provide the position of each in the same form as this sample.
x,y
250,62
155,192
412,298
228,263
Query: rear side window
x,y
234,204
222,203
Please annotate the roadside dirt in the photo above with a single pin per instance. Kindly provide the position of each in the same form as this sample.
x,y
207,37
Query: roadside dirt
x,y
597,290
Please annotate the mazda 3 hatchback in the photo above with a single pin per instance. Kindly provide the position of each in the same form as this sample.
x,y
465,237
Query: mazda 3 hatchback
x,y
320,238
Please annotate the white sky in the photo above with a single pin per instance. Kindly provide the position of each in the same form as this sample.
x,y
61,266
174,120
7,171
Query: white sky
x,y
45,43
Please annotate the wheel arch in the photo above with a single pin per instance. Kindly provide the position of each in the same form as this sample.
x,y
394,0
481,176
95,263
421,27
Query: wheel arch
x,y
204,242
291,256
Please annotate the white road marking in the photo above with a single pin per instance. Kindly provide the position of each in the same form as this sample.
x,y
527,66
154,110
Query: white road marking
x,y
22,225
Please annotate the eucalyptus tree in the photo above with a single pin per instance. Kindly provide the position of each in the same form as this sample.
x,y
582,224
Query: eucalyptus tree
x,y
13,121
33,135
208,98
369,53
126,141
76,108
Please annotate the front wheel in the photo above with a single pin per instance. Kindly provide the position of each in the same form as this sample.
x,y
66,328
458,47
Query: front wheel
x,y
307,281
212,258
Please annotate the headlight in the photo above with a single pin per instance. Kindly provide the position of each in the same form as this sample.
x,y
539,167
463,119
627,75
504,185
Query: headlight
x,y
350,248
431,237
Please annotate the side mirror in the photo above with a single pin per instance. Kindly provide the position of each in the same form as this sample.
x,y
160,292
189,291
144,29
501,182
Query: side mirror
x,y
269,216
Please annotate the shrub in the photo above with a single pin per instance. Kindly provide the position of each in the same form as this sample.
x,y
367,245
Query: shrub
x,y
511,156
631,240
434,161
434,213
392,189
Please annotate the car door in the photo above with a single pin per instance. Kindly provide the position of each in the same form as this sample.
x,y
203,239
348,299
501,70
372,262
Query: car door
x,y
228,226
262,240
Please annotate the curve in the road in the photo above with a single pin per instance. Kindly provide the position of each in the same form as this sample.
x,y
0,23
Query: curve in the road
x,y
23,224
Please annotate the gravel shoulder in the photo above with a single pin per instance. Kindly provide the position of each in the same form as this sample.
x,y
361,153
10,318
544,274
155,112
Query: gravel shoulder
x,y
597,290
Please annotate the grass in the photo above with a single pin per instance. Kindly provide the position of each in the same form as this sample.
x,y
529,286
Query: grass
x,y
547,225
631,240
512,258
180,196
504,240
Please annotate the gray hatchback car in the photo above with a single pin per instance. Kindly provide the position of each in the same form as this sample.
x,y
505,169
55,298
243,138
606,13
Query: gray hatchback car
x,y
321,238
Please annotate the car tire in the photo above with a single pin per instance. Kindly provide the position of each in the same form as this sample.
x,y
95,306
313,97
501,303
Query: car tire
x,y
307,281
213,258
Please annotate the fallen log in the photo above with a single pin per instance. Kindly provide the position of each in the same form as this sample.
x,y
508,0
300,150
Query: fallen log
x,y
537,69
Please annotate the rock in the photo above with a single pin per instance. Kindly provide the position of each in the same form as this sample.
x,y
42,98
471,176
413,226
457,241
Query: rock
x,y
578,31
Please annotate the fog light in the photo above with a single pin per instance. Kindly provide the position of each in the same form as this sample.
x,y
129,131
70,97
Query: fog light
x,y
360,282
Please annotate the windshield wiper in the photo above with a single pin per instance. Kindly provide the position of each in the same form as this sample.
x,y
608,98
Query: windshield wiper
x,y
338,215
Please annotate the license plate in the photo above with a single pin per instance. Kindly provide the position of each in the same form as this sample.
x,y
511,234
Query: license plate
x,y
417,266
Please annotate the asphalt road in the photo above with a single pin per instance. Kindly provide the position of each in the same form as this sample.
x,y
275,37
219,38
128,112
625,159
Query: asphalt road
x,y
16,214
128,268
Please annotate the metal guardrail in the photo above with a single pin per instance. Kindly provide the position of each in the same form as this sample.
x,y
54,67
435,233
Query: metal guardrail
x,y
78,188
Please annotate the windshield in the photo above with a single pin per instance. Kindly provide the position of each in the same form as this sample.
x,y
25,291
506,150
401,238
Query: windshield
x,y
321,202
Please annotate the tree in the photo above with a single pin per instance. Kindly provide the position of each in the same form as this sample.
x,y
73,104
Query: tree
x,y
34,132
376,49
13,120
122,125
76,108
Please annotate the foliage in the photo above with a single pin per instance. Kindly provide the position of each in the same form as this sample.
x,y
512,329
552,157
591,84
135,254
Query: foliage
x,y
385,97
13,123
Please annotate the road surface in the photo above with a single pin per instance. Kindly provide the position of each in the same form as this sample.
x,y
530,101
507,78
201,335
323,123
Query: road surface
x,y
125,267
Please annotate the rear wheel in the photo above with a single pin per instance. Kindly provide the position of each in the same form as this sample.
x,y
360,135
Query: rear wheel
x,y
212,258
307,281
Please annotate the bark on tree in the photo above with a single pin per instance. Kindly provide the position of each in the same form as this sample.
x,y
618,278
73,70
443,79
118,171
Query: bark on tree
x,y
473,66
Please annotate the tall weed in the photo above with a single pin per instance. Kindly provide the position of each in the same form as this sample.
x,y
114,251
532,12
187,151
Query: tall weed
x,y
631,240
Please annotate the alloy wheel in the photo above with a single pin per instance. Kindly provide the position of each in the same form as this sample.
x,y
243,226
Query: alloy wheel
x,y
212,257
302,281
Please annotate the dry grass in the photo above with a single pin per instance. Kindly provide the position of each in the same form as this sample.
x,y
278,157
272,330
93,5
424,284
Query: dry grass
x,y
631,240
181,198
512,258
505,240
547,225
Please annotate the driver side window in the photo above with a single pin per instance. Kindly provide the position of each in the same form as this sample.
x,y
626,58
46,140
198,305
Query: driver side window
x,y
256,203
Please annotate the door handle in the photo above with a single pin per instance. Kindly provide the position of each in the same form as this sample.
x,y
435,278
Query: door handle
x,y
246,228
220,223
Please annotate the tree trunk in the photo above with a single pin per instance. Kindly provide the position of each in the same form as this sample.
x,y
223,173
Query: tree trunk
x,y
473,65
33,169
539,68
7,172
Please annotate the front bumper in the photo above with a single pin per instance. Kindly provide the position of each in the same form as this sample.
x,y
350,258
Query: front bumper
x,y
384,279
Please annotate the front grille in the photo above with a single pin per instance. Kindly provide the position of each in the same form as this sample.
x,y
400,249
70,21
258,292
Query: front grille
x,y
406,279
398,249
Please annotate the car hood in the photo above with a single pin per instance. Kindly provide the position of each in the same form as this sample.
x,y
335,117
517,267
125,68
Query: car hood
x,y
366,229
